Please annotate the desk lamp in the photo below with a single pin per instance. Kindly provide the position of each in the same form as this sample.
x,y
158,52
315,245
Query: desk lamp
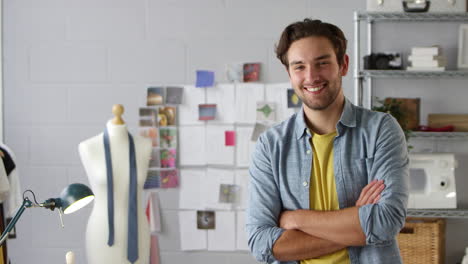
x,y
74,197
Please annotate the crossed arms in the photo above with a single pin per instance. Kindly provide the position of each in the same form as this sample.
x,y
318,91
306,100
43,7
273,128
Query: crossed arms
x,y
329,231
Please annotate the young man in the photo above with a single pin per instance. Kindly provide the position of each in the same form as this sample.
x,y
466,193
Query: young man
x,y
328,185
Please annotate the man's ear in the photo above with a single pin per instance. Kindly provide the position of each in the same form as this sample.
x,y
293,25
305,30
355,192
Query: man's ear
x,y
344,65
287,70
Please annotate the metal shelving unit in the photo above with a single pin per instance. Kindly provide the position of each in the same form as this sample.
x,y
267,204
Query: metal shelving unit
x,y
360,75
370,18
441,213
439,135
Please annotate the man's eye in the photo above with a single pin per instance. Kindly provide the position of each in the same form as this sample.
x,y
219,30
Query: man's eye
x,y
323,63
299,67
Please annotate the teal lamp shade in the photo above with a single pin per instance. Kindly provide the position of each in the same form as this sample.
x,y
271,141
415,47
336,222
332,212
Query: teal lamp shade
x,y
74,197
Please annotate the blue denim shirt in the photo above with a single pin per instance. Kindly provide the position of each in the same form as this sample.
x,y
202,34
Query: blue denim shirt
x,y
369,145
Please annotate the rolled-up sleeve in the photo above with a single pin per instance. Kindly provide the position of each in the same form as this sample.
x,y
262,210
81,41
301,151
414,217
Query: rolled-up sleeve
x,y
382,221
264,205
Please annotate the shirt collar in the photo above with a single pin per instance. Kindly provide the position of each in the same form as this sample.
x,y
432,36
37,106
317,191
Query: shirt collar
x,y
348,118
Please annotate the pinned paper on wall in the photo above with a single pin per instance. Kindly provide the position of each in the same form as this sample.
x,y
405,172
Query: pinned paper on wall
x,y
169,179
277,93
155,96
210,188
217,153
151,133
206,111
174,95
247,96
230,138
241,241
251,72
245,146
223,95
155,159
187,110
228,193
206,220
190,188
242,180
152,180
293,100
266,111
167,116
259,128
223,237
235,72
153,212
191,238
147,117
205,79
192,145
168,137
168,158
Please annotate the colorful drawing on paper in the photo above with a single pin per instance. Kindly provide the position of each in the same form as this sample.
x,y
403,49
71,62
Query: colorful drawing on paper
x,y
230,138
168,158
206,220
251,72
205,79
166,116
152,133
206,111
235,72
293,100
168,137
174,95
155,96
169,178
228,193
266,111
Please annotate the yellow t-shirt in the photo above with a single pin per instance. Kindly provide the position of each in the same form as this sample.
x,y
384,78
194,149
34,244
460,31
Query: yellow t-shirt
x,y
323,195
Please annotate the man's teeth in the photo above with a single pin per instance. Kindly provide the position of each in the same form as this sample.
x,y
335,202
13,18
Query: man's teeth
x,y
314,89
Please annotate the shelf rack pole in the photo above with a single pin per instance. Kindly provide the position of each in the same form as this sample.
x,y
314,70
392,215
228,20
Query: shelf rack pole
x,y
357,77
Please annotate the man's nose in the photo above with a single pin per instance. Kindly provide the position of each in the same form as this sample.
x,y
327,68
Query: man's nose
x,y
312,74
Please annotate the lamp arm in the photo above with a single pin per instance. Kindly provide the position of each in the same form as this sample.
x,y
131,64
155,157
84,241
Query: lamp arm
x,y
26,204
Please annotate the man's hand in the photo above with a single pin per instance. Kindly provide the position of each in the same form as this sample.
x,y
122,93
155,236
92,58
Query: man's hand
x,y
371,193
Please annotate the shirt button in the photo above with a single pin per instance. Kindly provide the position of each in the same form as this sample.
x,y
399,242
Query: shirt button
x,y
305,184
308,151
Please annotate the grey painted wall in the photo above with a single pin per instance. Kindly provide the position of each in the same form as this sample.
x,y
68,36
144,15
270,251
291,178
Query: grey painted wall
x,y
67,62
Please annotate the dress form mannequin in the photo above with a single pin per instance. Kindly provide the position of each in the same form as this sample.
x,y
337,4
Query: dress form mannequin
x,y
93,158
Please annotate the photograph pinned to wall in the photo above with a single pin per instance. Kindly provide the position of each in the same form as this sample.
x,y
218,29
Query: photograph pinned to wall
x,y
266,111
174,95
205,79
168,158
251,72
235,72
151,133
167,116
228,193
169,178
259,128
293,100
230,138
206,220
153,179
147,117
155,159
155,96
168,137
206,111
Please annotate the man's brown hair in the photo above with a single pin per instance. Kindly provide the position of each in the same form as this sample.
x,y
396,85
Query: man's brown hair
x,y
311,28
